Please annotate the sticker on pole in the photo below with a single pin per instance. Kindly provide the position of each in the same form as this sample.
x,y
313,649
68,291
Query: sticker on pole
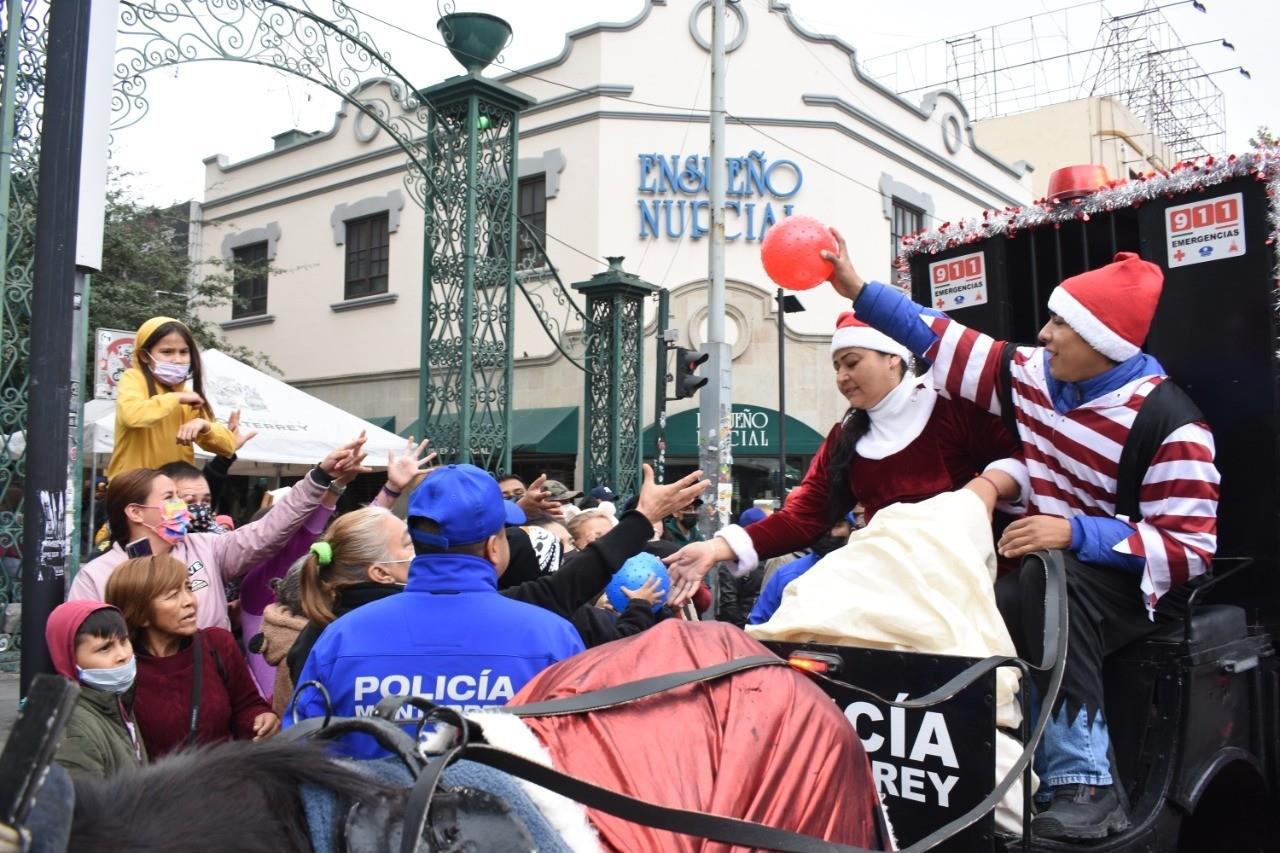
x,y
958,283
114,356
1205,230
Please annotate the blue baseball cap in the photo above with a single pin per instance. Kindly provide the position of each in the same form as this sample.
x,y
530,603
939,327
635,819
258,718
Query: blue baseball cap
x,y
603,493
751,515
465,502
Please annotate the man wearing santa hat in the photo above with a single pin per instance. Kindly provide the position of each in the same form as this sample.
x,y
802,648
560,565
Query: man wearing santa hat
x,y
1133,526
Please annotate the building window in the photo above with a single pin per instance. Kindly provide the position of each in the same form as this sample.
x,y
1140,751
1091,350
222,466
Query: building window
x,y
907,220
532,210
250,277
367,253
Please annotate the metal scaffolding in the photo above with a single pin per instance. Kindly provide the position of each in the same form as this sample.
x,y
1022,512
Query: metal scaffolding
x,y
1136,59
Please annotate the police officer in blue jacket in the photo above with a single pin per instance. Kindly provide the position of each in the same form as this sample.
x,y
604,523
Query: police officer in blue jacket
x,y
449,637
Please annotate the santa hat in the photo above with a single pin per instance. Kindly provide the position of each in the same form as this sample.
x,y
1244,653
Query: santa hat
x,y
852,332
1111,307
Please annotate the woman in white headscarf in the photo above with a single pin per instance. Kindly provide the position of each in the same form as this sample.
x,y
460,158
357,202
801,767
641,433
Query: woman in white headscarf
x,y
899,441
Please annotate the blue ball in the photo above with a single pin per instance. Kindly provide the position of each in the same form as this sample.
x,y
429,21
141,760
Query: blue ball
x,y
633,575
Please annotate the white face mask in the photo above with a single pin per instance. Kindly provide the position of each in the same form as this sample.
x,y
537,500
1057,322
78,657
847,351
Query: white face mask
x,y
170,373
116,679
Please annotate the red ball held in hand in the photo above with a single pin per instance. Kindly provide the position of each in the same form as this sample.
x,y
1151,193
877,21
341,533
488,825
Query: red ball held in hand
x,y
790,252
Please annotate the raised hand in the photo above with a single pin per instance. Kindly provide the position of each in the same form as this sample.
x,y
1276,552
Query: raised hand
x,y
537,500
242,436
656,502
348,455
844,278
191,430
404,467
350,468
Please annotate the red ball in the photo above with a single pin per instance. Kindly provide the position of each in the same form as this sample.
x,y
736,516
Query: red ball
x,y
790,252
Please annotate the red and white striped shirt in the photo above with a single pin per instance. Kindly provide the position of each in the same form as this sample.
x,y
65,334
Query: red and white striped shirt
x,y
1073,458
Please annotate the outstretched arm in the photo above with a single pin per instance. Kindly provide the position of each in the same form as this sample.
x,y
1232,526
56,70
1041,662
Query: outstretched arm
x,y
966,363
241,549
584,577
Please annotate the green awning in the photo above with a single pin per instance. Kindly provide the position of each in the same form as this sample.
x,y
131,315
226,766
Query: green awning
x,y
755,433
550,431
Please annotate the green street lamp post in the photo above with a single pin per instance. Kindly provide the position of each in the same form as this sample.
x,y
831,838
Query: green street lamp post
x,y
469,251
611,443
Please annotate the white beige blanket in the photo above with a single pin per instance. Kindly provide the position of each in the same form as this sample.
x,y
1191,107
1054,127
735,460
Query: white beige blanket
x,y
918,578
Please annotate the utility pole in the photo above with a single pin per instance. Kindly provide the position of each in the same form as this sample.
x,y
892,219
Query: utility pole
x,y
45,537
68,247
715,421
663,343
782,397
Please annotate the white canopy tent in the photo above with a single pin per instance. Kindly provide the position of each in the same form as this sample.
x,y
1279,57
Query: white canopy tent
x,y
295,430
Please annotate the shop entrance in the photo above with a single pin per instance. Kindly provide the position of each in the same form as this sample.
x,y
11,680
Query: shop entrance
x,y
755,450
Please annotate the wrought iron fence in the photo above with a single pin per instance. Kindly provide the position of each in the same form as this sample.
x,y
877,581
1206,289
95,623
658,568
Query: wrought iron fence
x,y
565,323
23,51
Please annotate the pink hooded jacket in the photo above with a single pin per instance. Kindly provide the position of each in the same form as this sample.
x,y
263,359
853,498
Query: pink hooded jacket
x,y
212,559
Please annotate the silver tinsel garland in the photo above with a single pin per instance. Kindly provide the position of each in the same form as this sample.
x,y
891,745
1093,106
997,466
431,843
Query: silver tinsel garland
x,y
1263,163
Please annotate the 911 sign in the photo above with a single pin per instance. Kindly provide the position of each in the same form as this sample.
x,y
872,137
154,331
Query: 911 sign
x,y
960,282
1205,231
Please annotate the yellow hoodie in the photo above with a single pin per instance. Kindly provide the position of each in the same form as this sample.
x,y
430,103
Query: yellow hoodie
x,y
147,427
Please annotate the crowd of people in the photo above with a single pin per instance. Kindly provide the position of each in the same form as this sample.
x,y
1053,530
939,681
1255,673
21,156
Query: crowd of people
x,y
191,629
460,585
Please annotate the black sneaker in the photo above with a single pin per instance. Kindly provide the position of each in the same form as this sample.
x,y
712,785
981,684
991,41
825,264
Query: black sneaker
x,y
1081,813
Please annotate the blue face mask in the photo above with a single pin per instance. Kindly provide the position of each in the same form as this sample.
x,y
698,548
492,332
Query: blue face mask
x,y
117,679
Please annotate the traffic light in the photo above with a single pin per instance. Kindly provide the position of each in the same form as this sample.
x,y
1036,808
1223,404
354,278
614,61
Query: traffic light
x,y
687,379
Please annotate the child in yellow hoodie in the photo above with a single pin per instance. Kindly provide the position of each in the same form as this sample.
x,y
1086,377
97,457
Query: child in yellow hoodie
x,y
161,410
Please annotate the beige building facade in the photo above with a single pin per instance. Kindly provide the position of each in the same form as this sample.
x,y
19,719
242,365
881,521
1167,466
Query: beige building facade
x,y
1101,131
612,163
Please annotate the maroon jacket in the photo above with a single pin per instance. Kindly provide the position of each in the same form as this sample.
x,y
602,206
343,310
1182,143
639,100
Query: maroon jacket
x,y
958,441
229,701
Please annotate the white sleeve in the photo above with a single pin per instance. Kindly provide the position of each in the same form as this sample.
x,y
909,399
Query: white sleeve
x,y
740,544
1017,469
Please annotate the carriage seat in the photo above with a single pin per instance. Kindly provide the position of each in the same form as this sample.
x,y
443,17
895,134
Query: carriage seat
x,y
1211,625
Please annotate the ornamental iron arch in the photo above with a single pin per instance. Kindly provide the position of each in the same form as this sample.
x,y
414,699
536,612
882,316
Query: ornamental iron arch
x,y
461,171
335,54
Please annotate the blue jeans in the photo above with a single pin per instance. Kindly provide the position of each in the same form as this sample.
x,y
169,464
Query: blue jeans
x,y
1071,753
